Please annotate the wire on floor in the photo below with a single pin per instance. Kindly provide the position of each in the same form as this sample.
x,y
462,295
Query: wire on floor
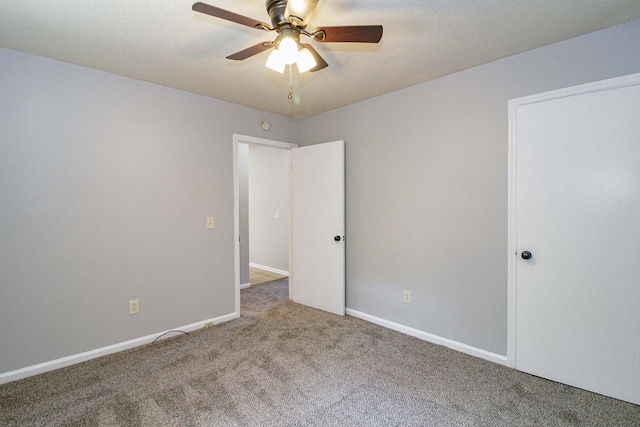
x,y
168,332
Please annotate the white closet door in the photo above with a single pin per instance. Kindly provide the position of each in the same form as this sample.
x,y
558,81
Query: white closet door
x,y
578,214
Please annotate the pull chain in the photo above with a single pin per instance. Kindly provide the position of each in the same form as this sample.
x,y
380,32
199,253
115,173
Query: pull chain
x,y
290,96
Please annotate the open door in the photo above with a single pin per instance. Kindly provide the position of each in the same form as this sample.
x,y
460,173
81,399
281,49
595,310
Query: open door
x,y
318,224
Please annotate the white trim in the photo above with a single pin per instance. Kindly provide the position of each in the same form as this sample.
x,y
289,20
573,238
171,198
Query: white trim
x,y
435,339
598,86
244,139
103,351
511,236
512,241
245,285
267,268
290,216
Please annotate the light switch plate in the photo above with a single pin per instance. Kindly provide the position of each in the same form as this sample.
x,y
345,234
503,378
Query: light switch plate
x,y
210,224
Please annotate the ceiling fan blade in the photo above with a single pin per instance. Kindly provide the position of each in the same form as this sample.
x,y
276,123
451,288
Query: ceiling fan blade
x,y
229,16
349,34
250,51
320,63
299,11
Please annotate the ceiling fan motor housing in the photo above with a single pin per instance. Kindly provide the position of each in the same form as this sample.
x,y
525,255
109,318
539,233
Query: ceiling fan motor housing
x,y
276,9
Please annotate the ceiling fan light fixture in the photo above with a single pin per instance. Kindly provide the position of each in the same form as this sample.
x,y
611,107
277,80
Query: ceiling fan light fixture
x,y
306,61
288,49
275,61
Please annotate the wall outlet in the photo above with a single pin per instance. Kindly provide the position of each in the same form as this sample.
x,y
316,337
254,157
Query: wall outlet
x,y
210,224
134,307
406,296
208,325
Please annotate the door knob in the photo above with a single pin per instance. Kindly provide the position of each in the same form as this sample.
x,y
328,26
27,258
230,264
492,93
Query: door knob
x,y
337,238
526,255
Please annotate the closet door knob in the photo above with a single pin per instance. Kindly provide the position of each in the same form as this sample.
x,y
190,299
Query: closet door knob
x,y
337,238
526,255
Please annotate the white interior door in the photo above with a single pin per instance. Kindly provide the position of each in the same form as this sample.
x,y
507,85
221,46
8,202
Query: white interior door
x,y
318,248
578,214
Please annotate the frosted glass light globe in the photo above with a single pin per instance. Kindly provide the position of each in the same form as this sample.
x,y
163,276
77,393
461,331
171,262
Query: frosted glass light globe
x,y
306,61
289,50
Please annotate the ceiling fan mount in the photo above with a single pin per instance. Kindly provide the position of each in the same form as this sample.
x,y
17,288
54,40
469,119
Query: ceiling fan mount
x,y
290,19
276,10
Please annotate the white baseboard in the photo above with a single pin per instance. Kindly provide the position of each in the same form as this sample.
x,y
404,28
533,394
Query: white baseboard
x,y
435,339
271,269
103,351
245,285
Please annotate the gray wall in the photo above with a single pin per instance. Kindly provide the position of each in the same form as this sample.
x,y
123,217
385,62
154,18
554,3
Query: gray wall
x,y
427,185
268,193
243,211
105,183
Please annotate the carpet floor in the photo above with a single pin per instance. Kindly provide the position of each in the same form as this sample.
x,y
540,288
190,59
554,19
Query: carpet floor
x,y
283,364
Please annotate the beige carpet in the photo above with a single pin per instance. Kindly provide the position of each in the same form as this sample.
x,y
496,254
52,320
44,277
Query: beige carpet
x,y
282,364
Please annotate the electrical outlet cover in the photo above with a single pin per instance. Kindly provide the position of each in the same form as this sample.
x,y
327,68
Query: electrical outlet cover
x,y
134,306
406,296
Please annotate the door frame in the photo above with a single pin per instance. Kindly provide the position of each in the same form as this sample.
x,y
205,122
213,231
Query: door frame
x,y
244,139
512,249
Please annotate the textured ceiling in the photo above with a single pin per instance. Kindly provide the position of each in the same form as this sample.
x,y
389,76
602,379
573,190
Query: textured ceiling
x,y
165,42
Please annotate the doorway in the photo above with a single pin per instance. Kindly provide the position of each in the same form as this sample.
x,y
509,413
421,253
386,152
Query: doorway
x,y
316,226
240,168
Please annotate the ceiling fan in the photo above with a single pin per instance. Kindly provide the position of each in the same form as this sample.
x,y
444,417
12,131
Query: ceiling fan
x,y
290,19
